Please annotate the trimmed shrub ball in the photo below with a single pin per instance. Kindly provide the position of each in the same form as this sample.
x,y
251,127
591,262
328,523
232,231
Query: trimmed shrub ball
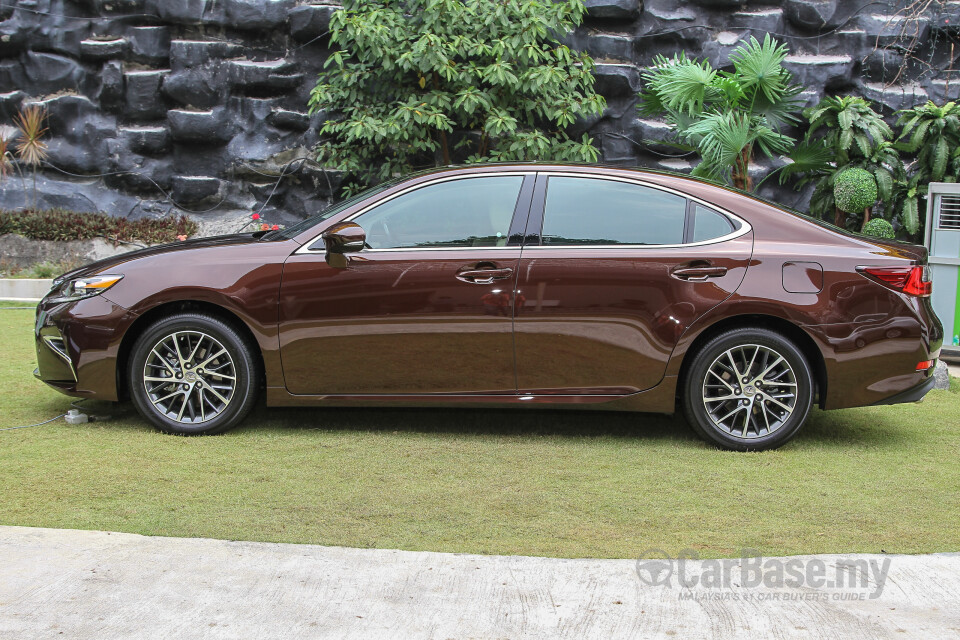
x,y
879,228
855,190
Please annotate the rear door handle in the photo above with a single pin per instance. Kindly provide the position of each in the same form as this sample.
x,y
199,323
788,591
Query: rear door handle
x,y
698,274
483,276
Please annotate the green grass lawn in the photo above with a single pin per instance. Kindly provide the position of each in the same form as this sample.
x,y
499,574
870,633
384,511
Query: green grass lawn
x,y
531,482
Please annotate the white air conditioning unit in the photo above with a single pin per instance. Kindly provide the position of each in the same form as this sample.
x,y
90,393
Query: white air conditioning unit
x,y
943,241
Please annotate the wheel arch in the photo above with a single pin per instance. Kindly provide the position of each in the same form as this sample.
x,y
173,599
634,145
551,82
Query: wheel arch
x,y
164,310
794,333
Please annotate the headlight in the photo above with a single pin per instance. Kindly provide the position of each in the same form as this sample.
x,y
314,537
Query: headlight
x,y
77,288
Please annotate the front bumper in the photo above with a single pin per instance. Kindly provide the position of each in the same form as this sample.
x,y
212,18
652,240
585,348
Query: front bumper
x,y
78,344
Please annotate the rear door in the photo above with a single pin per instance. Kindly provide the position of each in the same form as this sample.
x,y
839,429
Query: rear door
x,y
612,273
425,309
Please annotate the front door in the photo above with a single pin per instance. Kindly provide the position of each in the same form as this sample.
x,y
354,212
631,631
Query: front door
x,y
426,309
619,271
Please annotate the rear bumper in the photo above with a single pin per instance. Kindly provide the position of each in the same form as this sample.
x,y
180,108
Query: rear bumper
x,y
914,394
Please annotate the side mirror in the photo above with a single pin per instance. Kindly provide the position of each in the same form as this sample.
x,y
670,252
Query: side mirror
x,y
346,237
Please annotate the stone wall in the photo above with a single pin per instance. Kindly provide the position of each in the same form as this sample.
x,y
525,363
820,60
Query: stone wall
x,y
161,105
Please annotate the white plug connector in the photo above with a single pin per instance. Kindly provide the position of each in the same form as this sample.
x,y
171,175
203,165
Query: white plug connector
x,y
75,417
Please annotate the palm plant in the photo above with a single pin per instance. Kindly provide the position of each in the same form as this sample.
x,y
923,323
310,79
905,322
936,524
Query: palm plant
x,y
726,115
31,149
934,135
845,132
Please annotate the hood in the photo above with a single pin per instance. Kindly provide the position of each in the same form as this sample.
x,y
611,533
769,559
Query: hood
x,y
198,243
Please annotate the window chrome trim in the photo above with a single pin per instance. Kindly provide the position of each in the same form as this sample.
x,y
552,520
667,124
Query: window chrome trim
x,y
304,248
745,226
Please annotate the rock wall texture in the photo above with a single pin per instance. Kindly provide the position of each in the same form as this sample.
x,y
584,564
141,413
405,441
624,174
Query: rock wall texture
x,y
157,106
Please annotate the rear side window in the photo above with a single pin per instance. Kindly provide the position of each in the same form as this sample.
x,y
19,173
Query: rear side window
x,y
709,224
589,211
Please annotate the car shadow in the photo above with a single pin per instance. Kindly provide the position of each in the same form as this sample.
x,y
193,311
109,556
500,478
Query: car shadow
x,y
544,422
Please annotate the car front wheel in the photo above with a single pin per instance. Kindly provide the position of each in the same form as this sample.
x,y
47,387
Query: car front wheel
x,y
193,374
748,389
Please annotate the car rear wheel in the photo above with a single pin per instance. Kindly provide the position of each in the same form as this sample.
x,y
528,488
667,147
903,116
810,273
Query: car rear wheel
x,y
193,374
748,389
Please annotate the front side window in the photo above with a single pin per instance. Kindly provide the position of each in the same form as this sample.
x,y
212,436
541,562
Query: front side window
x,y
467,212
588,211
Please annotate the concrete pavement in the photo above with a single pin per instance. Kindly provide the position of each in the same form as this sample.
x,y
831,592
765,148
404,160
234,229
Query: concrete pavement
x,y
90,584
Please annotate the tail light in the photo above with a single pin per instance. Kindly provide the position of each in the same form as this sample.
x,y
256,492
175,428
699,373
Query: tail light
x,y
913,281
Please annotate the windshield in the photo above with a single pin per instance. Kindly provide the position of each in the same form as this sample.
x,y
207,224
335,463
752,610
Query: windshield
x,y
326,214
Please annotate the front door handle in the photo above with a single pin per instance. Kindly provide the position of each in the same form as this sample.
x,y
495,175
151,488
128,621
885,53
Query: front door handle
x,y
698,274
483,276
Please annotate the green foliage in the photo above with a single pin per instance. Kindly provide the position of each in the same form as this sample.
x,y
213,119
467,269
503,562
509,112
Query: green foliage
x,y
57,224
845,132
879,228
932,133
725,115
415,81
855,189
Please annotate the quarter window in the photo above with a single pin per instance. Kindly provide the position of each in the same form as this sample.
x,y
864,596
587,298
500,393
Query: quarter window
x,y
469,212
709,224
587,211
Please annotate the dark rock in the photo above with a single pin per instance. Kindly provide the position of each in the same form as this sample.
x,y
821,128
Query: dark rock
x,y
719,4
201,87
810,15
75,158
941,375
759,21
256,14
63,35
194,189
96,49
670,12
605,46
14,34
285,119
263,77
301,202
264,190
614,9
48,73
135,173
821,70
147,140
310,21
895,97
948,19
187,11
65,112
185,54
882,65
150,45
142,94
616,80
209,127
718,49
111,93
893,30
10,104
617,149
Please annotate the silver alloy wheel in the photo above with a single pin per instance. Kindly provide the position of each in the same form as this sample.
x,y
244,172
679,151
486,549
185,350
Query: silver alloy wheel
x,y
749,391
189,377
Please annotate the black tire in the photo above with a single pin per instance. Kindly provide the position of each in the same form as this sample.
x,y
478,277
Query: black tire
x,y
204,400
752,416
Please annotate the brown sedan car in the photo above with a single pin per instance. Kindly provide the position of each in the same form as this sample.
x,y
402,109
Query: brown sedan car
x,y
499,285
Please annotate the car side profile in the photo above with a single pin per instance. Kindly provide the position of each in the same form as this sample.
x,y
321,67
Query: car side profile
x,y
505,285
